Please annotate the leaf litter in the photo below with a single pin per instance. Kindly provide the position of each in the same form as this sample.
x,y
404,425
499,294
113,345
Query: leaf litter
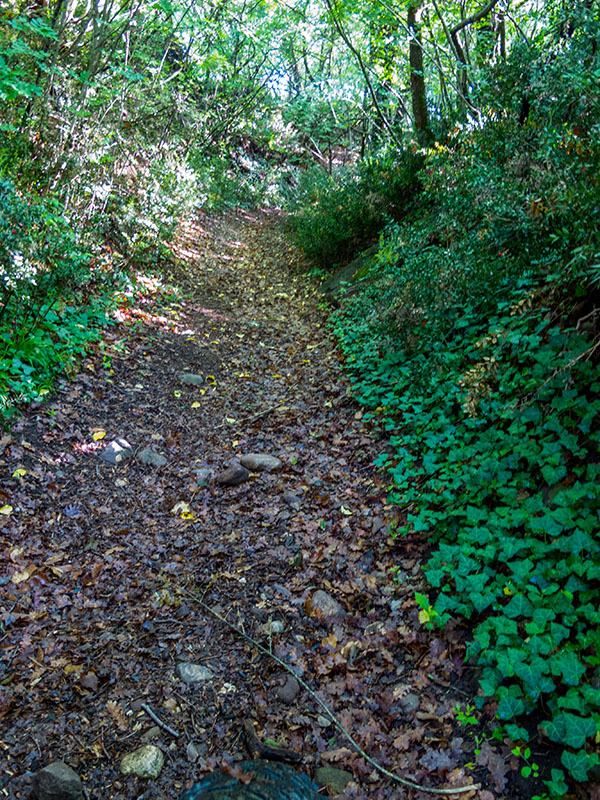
x,y
100,562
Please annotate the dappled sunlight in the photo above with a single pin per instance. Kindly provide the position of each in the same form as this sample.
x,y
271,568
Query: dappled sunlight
x,y
88,448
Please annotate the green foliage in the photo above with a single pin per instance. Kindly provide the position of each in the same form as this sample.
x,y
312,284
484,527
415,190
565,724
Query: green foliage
x,y
473,346
495,436
339,213
28,367
465,717
40,259
18,56
44,321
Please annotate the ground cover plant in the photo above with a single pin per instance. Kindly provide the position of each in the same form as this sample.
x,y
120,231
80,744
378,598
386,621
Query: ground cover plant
x,y
474,348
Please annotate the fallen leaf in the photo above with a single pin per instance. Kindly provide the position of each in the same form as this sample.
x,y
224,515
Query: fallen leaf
x,y
6,510
19,577
89,681
98,435
118,715
236,771
341,754
495,764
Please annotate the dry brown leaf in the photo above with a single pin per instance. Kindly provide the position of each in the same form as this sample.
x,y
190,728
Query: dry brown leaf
x,y
118,715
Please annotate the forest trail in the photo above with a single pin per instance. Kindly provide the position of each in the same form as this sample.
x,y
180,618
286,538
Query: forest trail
x,y
99,560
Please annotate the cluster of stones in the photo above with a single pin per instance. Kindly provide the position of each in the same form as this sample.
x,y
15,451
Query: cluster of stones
x,y
239,472
119,451
58,781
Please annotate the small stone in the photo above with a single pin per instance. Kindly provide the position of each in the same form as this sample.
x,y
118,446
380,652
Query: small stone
x,y
145,762
233,476
291,499
334,780
260,462
323,722
57,781
193,673
289,691
374,628
203,476
322,604
192,380
151,733
272,627
117,451
151,457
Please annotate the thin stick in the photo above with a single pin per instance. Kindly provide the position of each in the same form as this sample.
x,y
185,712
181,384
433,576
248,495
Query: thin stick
x,y
159,721
325,707
247,420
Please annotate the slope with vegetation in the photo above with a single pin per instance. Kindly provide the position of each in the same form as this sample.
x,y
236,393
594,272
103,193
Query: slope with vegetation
x,y
461,143
473,340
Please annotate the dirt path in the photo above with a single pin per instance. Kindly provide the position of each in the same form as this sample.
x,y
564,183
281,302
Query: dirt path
x,y
97,560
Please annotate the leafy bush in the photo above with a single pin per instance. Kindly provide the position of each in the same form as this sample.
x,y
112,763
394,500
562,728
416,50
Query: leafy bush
x,y
42,266
474,345
28,366
336,215
40,259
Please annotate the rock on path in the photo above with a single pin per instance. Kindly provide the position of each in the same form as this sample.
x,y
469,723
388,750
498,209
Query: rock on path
x,y
193,673
117,451
145,762
322,604
151,458
192,380
260,462
57,781
233,476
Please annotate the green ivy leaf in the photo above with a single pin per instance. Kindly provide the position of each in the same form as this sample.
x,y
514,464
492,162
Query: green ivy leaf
x,y
519,606
569,729
579,764
516,733
546,525
567,664
510,706
557,786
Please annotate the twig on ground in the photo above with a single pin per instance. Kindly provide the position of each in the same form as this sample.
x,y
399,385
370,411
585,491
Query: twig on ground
x,y
247,420
159,721
328,712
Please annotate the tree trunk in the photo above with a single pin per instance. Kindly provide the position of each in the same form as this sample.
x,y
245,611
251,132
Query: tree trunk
x,y
417,77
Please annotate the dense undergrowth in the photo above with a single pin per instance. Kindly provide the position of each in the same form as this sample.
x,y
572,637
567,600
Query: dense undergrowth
x,y
61,281
474,343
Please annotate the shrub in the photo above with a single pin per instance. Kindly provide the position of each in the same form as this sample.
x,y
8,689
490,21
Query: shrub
x,y
474,346
336,215
41,267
